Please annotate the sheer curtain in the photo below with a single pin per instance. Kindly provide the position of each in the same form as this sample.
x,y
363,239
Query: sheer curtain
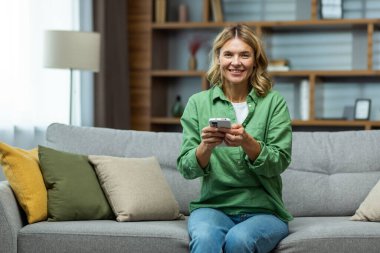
x,y
31,96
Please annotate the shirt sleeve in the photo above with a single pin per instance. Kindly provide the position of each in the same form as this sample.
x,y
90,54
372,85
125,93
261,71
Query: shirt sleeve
x,y
275,154
187,162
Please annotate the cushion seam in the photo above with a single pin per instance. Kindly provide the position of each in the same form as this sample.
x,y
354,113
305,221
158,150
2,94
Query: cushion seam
x,y
102,235
331,238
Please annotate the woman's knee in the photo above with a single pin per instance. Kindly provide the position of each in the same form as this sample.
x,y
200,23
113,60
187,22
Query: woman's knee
x,y
254,241
238,241
205,238
202,231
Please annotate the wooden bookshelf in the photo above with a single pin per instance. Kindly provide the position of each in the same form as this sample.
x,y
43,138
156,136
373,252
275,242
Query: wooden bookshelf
x,y
165,120
302,73
365,124
322,73
349,23
154,77
177,73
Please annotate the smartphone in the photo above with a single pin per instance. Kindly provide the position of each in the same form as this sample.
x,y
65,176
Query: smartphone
x,y
220,122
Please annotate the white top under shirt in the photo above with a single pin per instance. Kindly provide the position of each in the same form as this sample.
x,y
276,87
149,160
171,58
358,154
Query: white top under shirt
x,y
241,111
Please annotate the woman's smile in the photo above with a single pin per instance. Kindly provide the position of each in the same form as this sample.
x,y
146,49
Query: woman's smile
x,y
236,71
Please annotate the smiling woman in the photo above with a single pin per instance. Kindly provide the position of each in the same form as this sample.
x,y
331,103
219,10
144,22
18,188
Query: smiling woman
x,y
240,206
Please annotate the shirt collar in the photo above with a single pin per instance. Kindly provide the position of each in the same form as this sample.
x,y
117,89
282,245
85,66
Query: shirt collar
x,y
219,94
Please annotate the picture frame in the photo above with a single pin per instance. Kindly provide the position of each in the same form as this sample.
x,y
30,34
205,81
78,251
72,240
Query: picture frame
x,y
331,9
362,109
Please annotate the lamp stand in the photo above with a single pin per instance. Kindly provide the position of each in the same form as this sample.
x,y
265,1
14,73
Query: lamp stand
x,y
71,97
61,51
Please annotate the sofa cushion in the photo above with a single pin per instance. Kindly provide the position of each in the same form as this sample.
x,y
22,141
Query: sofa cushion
x,y
369,210
135,188
74,192
128,143
105,236
22,170
330,234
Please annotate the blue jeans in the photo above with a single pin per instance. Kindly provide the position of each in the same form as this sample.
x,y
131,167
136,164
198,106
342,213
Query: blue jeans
x,y
212,231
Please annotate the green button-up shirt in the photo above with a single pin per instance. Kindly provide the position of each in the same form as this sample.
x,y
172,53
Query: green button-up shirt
x,y
231,182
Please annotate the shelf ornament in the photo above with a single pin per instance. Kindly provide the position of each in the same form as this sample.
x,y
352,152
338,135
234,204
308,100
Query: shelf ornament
x,y
194,45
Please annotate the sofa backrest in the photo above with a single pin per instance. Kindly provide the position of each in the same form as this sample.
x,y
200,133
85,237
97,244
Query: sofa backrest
x,y
128,143
330,173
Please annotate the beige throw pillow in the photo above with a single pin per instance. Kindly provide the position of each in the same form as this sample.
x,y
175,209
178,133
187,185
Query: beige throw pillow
x,y
136,188
369,209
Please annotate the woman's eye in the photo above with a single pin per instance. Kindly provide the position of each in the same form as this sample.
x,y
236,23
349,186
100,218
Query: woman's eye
x,y
227,55
246,56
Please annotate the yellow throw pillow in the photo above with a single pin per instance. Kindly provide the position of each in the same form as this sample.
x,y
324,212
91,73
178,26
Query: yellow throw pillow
x,y
22,170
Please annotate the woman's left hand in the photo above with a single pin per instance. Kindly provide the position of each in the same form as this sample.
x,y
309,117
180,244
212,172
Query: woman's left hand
x,y
235,136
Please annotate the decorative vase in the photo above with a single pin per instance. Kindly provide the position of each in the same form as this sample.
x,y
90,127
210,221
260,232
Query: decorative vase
x,y
192,62
177,108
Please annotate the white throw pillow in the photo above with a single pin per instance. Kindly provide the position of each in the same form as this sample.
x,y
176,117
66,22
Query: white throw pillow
x,y
369,209
136,188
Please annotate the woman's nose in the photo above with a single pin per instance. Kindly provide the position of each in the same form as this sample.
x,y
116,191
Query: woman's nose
x,y
235,60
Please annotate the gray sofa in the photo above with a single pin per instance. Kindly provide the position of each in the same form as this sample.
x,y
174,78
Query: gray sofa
x,y
330,175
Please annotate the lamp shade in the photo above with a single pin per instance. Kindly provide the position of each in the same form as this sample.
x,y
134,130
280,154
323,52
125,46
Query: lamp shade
x,y
72,50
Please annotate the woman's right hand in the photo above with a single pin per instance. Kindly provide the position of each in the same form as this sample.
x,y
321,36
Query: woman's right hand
x,y
211,137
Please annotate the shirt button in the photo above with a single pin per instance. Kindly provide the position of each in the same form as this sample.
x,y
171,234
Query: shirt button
x,y
250,105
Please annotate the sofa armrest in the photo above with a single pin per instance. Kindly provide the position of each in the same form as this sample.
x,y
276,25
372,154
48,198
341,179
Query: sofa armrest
x,y
12,219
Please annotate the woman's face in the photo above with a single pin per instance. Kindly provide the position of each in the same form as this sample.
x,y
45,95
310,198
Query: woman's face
x,y
236,62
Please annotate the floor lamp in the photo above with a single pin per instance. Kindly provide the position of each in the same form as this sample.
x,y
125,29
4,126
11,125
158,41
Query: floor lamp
x,y
72,50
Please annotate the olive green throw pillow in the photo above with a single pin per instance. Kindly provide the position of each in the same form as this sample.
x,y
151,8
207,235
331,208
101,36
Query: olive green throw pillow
x,y
72,186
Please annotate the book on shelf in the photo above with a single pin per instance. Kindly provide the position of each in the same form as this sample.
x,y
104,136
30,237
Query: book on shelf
x,y
205,10
160,11
304,100
279,62
277,68
217,11
278,65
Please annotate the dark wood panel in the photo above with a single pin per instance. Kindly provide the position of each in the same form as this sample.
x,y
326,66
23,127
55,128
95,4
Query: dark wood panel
x,y
140,58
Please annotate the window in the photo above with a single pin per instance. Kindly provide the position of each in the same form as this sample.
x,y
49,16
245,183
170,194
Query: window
x,y
31,95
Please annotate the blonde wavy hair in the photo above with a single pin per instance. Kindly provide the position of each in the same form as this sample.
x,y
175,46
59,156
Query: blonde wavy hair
x,y
260,79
